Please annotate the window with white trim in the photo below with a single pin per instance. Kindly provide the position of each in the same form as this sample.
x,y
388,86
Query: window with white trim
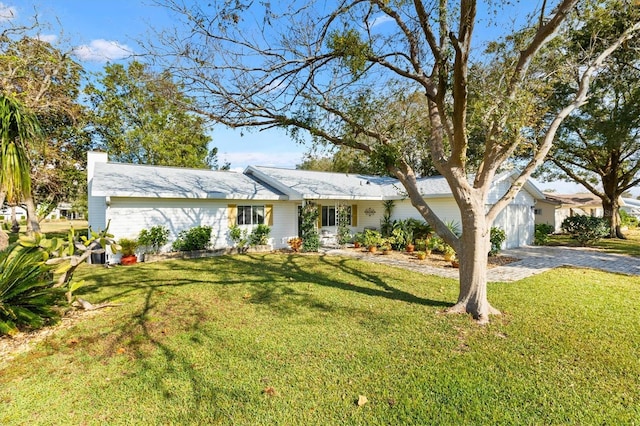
x,y
250,215
330,214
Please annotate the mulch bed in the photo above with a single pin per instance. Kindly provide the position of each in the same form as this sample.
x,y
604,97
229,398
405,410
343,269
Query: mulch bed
x,y
434,259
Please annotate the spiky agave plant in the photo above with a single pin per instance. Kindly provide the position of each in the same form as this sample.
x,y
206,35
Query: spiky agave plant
x,y
27,296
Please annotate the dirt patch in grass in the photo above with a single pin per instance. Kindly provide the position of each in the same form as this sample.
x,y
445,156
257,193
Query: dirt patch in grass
x,y
23,341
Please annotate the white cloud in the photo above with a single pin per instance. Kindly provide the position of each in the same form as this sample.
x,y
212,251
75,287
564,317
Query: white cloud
x,y
49,38
380,20
7,13
101,50
240,160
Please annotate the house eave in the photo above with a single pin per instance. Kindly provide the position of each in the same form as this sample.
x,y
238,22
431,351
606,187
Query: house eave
x,y
190,196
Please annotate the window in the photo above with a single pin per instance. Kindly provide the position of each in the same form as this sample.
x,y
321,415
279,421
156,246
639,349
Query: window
x,y
328,215
250,215
537,211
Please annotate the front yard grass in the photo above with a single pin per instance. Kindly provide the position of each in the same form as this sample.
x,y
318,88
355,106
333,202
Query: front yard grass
x,y
295,339
630,246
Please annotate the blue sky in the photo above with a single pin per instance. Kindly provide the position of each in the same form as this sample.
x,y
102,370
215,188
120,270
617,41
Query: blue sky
x,y
98,31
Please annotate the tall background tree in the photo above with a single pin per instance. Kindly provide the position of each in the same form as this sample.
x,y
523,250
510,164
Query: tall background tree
x,y
599,144
47,81
143,117
331,73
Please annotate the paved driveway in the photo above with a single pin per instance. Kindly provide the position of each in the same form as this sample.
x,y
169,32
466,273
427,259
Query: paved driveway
x,y
537,259
534,260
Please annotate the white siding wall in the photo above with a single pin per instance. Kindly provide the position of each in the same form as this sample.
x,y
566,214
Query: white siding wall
x,y
130,215
498,190
96,206
97,210
518,221
285,223
445,208
373,221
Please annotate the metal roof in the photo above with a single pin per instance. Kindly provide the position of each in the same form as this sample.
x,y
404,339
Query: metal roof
x,y
313,185
257,182
133,180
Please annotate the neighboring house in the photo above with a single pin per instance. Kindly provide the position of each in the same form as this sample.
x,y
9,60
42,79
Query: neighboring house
x,y
555,208
631,206
62,211
5,213
134,197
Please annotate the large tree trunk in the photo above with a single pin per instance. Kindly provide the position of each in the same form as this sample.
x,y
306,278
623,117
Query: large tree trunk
x,y
15,225
32,217
612,214
473,253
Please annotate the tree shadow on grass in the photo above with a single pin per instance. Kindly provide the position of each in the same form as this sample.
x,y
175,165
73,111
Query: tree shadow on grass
x,y
160,313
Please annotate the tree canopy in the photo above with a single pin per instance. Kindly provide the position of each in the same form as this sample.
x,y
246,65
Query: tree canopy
x,y
335,73
599,144
47,81
143,117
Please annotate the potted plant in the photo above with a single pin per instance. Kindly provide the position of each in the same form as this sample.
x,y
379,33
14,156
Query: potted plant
x,y
410,247
385,245
448,252
421,255
358,239
128,248
372,239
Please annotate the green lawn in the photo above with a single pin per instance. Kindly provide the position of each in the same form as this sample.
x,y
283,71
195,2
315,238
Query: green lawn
x,y
630,246
278,339
54,228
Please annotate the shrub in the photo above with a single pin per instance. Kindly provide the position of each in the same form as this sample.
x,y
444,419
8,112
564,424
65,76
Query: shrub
x,y
421,244
542,232
627,220
497,237
402,233
386,224
586,229
27,295
308,231
238,236
154,238
419,228
196,238
259,235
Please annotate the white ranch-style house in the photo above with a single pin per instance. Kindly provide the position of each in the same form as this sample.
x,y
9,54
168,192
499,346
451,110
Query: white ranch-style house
x,y
132,197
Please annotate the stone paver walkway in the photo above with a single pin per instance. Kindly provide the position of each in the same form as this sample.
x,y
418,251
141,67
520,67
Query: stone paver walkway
x,y
534,260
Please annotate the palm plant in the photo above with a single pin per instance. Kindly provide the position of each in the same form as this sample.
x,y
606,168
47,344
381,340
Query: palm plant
x,y
17,126
27,296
